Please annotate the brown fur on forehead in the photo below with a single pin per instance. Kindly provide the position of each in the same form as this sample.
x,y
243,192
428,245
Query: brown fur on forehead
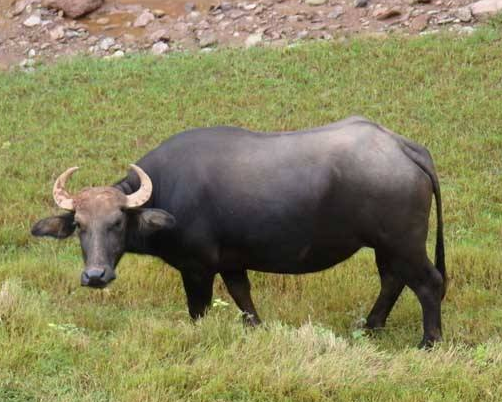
x,y
102,198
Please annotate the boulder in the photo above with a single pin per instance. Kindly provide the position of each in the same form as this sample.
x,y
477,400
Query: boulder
x,y
143,19
73,8
486,7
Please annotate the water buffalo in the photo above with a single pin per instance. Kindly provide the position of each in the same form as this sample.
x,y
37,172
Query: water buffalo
x,y
224,200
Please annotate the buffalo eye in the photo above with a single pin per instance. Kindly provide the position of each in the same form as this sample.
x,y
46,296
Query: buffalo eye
x,y
116,225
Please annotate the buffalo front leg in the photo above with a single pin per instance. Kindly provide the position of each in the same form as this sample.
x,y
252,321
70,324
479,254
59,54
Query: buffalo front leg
x,y
199,292
238,286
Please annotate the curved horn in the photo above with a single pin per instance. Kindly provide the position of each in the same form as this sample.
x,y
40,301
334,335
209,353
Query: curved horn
x,y
61,196
144,192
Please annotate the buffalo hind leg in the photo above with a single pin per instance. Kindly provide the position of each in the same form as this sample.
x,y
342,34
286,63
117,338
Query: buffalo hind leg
x,y
427,284
238,286
421,276
391,287
199,292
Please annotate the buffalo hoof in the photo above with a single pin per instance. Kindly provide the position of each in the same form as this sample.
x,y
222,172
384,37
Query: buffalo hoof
x,y
429,343
250,320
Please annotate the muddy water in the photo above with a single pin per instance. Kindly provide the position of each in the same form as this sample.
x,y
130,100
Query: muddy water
x,y
173,8
120,21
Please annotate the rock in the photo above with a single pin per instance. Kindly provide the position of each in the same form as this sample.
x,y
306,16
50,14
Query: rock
x,y
45,45
224,6
118,54
27,63
143,19
464,14
102,21
189,7
159,35
158,13
253,40
195,15
467,30
315,2
445,20
208,39
413,2
250,7
73,8
236,14
71,33
318,26
20,6
383,13
302,34
203,25
32,53
106,43
360,3
336,12
128,38
160,48
32,21
486,7
419,23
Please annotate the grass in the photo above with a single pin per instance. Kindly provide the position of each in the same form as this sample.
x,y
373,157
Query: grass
x,y
134,341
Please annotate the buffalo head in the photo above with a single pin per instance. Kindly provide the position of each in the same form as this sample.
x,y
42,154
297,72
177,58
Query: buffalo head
x,y
105,219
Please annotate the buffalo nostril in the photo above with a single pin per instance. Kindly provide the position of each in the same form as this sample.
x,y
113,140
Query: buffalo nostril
x,y
93,277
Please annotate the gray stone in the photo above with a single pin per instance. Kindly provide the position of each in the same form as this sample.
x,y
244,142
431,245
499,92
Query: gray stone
x,y
419,23
208,39
143,19
302,34
158,13
464,14
71,33
250,7
467,30
32,53
57,33
383,13
336,12
27,63
195,15
118,54
254,40
235,14
106,43
102,21
32,21
315,2
160,35
20,6
360,3
446,20
189,7
160,48
486,7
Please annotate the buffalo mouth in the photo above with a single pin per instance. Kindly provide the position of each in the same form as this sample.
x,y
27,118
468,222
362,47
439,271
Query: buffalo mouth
x,y
97,279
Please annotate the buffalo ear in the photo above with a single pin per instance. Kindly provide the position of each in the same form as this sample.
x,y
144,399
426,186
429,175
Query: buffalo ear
x,y
151,220
60,226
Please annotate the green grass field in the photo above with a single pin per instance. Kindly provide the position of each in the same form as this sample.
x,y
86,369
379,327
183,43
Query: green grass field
x,y
135,342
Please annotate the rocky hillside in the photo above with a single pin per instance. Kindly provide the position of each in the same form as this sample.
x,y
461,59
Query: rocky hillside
x,y
34,31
